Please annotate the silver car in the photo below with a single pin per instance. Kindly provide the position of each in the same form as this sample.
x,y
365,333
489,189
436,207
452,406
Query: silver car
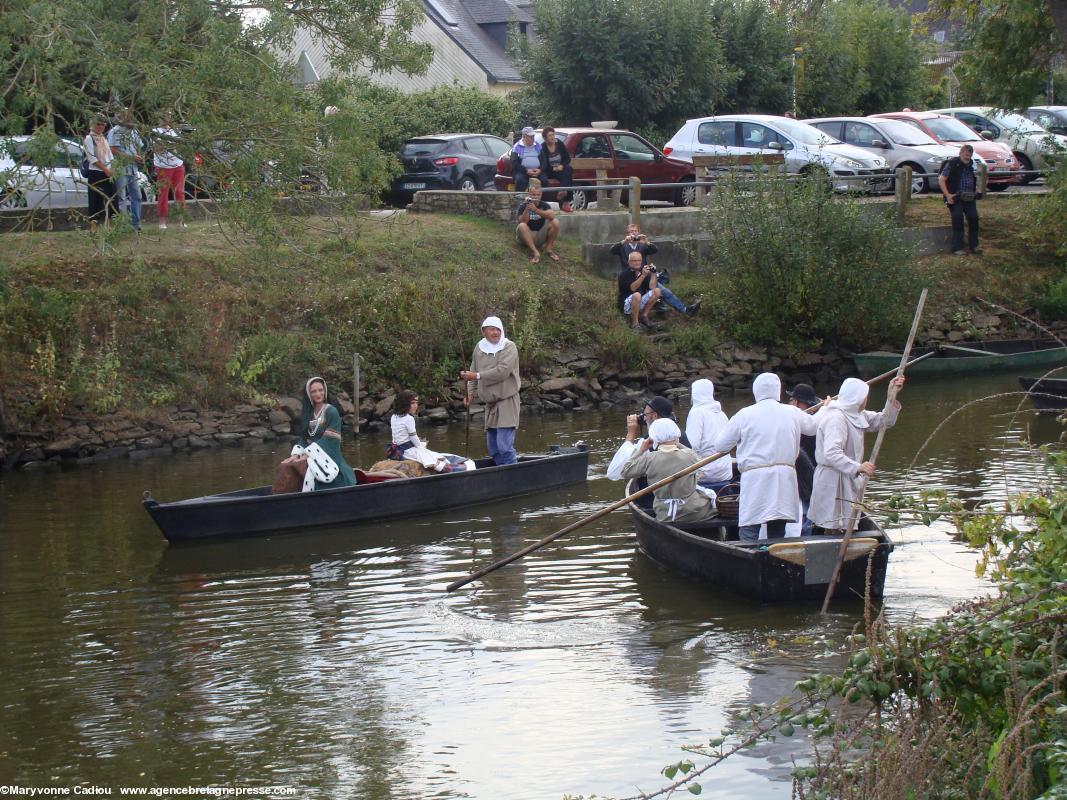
x,y
806,149
903,145
1033,146
1052,118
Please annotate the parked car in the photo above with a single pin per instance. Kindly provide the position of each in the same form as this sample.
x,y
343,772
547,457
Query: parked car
x,y
463,161
901,144
52,179
1033,146
950,131
1052,118
806,148
631,156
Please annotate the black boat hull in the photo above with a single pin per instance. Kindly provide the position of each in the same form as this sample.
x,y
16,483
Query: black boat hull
x,y
1047,394
256,511
755,572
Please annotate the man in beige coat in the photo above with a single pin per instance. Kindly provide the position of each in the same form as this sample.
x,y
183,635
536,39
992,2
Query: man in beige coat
x,y
493,380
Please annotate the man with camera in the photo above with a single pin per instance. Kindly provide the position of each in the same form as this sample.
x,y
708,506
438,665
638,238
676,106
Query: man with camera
x,y
639,290
537,224
960,188
634,241
656,408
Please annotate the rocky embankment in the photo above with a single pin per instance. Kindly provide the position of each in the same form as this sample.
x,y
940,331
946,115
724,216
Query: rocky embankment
x,y
571,381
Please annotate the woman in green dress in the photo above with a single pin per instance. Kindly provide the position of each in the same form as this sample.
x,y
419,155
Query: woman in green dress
x,y
321,424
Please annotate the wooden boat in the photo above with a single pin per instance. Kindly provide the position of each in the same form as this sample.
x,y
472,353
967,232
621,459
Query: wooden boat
x,y
782,570
960,358
1047,394
257,511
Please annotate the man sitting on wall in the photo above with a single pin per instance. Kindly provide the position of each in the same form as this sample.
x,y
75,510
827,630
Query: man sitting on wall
x,y
525,160
537,224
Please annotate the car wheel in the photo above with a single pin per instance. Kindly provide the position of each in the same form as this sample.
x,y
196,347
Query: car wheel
x,y
918,185
1026,165
686,194
12,198
997,187
819,174
581,198
467,184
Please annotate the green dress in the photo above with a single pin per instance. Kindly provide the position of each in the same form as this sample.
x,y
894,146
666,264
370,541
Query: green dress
x,y
332,447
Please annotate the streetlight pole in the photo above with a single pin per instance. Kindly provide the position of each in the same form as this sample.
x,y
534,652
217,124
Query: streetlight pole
x,y
796,51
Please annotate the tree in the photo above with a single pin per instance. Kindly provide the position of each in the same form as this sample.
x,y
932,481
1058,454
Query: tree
x,y
641,62
213,64
1011,45
755,42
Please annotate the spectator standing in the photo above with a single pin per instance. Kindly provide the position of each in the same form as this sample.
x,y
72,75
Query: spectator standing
x,y
101,183
170,171
537,224
960,188
128,146
634,241
639,290
556,166
493,380
525,160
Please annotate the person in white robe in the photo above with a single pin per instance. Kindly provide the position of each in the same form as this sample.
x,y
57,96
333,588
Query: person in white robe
x,y
767,437
839,452
707,420
680,500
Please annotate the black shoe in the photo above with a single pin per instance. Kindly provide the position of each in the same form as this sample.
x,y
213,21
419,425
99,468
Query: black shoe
x,y
693,308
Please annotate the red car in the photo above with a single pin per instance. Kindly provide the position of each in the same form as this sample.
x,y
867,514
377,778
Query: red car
x,y
632,156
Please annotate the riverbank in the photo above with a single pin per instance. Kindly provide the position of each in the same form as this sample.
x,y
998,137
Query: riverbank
x,y
148,344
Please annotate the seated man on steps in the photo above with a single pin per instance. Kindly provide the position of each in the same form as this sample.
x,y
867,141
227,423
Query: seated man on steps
x,y
537,224
639,290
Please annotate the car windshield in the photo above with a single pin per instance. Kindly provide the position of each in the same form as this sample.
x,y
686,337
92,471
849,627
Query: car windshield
x,y
805,133
948,129
904,134
1018,123
421,147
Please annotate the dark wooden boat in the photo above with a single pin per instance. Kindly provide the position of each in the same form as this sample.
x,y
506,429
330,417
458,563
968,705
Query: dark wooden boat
x,y
257,511
959,358
783,570
1047,394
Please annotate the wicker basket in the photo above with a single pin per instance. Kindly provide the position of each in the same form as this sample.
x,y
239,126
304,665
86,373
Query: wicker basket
x,y
728,501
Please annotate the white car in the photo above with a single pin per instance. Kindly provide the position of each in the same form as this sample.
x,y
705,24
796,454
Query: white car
x,y
901,144
30,179
806,148
1033,146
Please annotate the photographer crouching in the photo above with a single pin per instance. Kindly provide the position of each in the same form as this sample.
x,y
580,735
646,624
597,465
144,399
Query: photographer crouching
x,y
537,224
639,290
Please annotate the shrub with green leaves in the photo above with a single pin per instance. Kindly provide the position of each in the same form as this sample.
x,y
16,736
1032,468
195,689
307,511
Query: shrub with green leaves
x,y
795,265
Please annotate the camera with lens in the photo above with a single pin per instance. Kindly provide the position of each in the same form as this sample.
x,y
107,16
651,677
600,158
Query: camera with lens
x,y
652,267
641,419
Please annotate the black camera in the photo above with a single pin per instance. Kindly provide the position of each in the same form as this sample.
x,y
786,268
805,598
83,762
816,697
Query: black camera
x,y
641,419
653,268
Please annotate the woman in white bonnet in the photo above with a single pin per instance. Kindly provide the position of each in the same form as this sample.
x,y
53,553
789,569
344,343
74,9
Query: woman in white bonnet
x,y
679,501
839,452
493,380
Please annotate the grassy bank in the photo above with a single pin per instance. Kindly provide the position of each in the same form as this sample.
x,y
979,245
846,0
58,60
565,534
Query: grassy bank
x,y
198,318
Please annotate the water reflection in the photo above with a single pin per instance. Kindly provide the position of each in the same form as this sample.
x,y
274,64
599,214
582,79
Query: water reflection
x,y
332,660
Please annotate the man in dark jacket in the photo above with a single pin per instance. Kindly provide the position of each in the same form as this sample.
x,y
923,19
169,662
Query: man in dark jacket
x,y
959,185
634,241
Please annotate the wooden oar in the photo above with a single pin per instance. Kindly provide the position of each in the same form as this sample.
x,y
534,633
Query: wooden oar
x,y
585,520
970,350
626,500
854,517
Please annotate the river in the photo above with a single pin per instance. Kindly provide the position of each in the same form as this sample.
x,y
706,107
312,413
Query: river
x,y
333,662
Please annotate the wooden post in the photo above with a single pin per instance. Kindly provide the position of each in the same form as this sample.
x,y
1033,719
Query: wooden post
x,y
903,190
635,201
600,167
983,178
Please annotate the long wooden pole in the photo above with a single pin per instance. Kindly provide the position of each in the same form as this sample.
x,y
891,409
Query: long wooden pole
x,y
854,517
619,504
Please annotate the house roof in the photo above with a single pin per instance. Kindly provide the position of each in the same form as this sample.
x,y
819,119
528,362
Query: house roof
x,y
463,27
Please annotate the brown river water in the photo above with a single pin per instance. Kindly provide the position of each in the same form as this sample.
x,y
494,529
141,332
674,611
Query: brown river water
x,y
333,662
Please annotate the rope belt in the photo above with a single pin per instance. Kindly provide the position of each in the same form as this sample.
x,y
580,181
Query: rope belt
x,y
772,464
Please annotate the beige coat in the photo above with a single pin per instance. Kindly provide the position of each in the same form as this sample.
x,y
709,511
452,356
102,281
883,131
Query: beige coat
x,y
498,387
839,453
679,501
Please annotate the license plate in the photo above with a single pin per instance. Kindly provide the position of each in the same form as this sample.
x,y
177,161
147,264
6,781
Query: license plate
x,y
410,186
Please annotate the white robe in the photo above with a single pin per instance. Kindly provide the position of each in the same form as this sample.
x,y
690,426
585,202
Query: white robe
x,y
838,455
705,421
767,436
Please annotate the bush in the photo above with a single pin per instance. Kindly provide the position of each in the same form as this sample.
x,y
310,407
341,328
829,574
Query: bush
x,y
1052,300
796,266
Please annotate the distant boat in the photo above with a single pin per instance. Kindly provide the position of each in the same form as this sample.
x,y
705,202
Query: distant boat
x,y
780,570
1047,394
959,358
257,511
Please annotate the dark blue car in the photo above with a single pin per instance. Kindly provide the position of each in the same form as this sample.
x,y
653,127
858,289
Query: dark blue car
x,y
462,161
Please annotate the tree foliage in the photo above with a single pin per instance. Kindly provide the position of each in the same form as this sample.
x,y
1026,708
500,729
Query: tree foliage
x,y
755,42
641,62
1010,46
